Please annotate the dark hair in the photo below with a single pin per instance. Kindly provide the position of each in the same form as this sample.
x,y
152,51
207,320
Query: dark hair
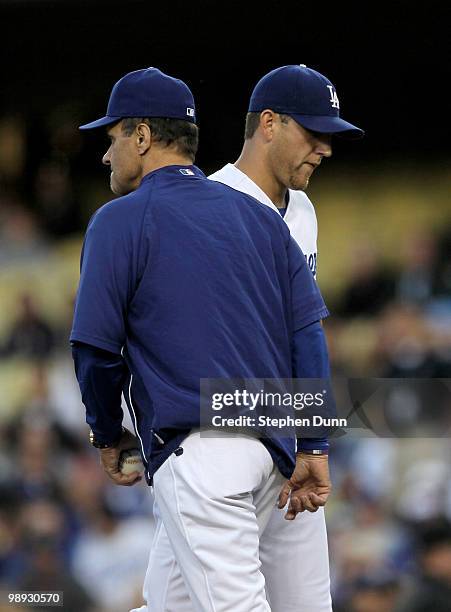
x,y
435,532
253,121
184,135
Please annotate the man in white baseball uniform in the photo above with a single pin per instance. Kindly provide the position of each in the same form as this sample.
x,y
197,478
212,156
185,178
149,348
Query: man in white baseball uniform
x,y
288,132
293,114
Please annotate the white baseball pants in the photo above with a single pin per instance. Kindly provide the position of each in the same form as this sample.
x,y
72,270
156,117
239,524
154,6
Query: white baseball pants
x,y
222,545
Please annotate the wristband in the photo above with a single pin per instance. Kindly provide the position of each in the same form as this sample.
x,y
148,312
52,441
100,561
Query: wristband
x,y
314,451
102,445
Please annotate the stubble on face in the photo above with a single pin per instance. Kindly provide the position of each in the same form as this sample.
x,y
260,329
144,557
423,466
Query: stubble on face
x,y
288,155
299,178
296,153
288,170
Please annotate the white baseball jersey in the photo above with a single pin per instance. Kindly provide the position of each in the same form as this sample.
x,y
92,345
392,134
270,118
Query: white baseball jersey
x,y
300,216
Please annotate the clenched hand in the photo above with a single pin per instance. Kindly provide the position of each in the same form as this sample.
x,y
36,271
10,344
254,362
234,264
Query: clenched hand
x,y
109,458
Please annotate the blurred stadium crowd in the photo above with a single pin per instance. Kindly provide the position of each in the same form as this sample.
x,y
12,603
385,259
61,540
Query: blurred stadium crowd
x,y
64,527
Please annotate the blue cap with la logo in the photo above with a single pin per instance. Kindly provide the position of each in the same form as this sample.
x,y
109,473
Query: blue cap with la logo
x,y
147,93
305,95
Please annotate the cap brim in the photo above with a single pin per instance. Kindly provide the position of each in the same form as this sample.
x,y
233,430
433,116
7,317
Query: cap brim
x,y
99,123
325,124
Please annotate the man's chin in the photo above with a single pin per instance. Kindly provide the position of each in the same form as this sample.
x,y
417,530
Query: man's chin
x,y
299,185
120,189
302,181
117,189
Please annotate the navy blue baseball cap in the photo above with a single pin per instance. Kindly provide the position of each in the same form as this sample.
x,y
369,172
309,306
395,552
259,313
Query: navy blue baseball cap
x,y
147,93
305,95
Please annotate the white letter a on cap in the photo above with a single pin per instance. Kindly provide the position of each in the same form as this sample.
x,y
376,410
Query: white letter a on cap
x,y
333,97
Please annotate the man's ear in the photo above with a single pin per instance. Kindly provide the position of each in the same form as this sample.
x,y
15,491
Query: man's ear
x,y
143,137
267,120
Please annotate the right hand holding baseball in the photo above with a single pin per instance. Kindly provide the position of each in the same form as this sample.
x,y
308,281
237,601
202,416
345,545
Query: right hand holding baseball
x,y
109,458
309,485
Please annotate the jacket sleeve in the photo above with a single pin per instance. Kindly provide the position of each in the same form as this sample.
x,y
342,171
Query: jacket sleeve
x,y
100,375
311,360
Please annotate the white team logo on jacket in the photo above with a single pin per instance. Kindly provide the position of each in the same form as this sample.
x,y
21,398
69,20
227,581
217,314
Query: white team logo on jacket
x,y
333,97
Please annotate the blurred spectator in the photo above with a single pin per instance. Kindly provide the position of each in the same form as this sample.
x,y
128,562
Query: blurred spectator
x,y
416,280
38,461
422,488
371,464
377,591
55,199
406,345
370,286
30,336
431,591
110,558
352,345
363,537
43,529
20,237
38,447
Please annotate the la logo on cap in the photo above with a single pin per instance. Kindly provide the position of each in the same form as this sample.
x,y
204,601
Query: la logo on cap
x,y
333,97
190,112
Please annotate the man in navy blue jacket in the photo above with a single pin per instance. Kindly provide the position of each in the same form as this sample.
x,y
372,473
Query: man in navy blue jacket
x,y
183,278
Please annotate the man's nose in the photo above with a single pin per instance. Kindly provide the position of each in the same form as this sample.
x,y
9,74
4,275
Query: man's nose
x,y
324,146
106,158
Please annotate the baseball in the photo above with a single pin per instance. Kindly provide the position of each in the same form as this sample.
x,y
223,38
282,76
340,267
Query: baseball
x,y
130,461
